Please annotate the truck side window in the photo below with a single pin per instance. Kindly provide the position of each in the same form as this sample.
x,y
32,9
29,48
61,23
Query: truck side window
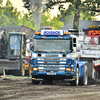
x,y
74,42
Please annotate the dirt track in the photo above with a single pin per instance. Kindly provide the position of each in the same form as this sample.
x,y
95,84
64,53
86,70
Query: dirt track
x,y
23,89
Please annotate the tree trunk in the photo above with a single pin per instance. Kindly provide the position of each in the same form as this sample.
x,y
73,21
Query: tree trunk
x,y
76,20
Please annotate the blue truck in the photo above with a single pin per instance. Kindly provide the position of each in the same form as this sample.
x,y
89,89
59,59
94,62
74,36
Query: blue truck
x,y
55,57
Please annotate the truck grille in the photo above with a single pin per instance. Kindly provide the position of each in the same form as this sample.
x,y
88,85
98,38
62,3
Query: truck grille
x,y
51,68
51,64
51,59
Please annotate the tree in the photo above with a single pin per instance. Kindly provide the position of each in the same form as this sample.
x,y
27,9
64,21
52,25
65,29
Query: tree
x,y
68,15
27,22
89,6
9,16
56,23
1,1
46,16
48,21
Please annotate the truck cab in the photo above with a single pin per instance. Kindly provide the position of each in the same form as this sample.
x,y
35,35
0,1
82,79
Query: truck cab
x,y
17,45
14,52
55,57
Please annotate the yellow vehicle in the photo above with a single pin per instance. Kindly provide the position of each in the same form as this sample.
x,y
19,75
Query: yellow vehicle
x,y
16,52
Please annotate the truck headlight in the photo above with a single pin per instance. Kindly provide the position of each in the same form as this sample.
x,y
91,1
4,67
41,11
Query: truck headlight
x,y
35,69
69,69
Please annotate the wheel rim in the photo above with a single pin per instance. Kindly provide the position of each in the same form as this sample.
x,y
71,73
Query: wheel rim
x,y
85,83
77,77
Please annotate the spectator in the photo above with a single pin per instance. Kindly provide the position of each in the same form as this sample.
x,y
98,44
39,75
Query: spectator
x,y
92,41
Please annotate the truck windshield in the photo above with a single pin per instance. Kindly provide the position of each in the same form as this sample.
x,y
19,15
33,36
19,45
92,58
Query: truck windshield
x,y
52,45
14,48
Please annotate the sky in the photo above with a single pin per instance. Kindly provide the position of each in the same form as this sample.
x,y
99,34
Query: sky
x,y
19,5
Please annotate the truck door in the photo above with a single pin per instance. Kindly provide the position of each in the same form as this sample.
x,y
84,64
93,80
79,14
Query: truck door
x,y
14,45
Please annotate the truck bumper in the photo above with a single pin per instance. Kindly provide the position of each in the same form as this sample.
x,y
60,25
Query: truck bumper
x,y
66,76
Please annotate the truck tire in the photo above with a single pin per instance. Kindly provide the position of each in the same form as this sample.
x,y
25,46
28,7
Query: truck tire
x,y
95,77
76,82
85,76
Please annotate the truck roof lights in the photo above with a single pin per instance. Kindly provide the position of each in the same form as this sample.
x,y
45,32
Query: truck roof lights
x,y
67,33
38,33
26,32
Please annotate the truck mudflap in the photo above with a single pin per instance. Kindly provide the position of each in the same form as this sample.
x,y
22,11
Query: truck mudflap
x,y
9,64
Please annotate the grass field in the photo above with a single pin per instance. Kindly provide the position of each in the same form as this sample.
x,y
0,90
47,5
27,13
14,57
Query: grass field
x,y
11,76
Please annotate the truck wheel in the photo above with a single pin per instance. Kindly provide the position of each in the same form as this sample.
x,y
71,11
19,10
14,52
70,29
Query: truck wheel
x,y
85,76
76,82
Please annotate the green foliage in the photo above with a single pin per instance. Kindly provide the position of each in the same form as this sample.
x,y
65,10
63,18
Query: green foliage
x,y
68,15
1,1
88,9
48,21
56,23
10,16
26,4
29,23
